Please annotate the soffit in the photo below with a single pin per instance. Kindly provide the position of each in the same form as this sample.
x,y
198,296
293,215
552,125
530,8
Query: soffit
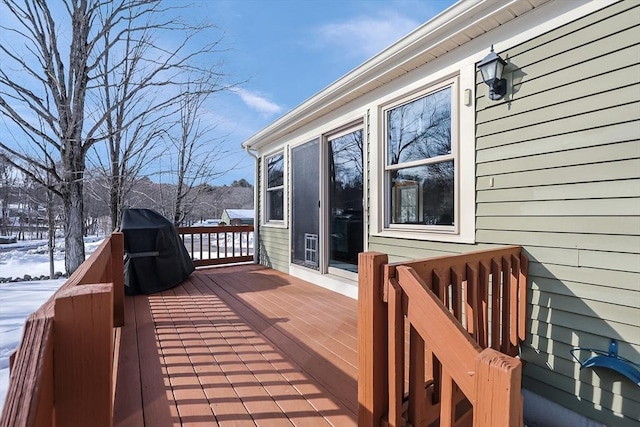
x,y
454,27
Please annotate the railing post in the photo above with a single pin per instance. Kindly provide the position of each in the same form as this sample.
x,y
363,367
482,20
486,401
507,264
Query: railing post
x,y
498,379
372,340
82,356
117,276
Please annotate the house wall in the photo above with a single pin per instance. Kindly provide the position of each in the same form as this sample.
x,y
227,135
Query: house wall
x,y
564,155
558,172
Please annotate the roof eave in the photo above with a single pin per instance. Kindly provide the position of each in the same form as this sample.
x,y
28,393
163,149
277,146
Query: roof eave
x,y
397,59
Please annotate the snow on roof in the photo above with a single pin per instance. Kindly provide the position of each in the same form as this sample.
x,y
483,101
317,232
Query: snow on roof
x,y
240,213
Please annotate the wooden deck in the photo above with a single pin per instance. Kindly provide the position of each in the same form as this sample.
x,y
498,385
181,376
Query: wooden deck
x,y
238,346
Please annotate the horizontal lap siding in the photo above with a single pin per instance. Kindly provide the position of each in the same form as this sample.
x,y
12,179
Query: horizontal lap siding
x,y
563,155
274,248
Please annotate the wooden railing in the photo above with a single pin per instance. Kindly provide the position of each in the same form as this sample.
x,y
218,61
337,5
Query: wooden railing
x,y
218,244
465,318
62,372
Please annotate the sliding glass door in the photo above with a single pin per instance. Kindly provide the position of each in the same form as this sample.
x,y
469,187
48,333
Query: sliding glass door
x,y
345,204
305,200
327,233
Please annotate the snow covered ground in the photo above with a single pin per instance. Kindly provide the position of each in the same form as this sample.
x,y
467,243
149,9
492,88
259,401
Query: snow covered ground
x,y
19,299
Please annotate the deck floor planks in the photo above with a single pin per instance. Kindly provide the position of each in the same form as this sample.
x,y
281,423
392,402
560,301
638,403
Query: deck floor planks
x,y
157,397
265,377
297,319
333,372
221,358
259,405
189,396
308,306
326,303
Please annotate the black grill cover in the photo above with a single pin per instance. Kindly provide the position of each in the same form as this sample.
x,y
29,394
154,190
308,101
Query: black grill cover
x,y
155,258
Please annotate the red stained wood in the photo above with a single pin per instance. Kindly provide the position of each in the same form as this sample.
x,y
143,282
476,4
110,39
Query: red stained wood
x,y
83,330
241,346
372,340
128,394
396,354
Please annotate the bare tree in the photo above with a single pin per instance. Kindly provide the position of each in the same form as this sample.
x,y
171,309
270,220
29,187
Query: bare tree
x,y
50,90
196,154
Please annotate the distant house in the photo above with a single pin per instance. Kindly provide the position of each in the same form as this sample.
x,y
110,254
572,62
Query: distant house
x,y
238,216
207,222
411,155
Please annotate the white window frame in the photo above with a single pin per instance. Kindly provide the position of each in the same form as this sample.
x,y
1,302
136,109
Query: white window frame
x,y
266,220
463,152
388,192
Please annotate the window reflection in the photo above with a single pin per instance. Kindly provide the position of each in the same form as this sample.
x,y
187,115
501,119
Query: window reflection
x,y
420,164
345,200
275,188
423,195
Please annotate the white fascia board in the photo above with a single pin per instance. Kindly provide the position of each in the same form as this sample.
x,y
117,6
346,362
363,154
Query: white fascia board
x,y
370,75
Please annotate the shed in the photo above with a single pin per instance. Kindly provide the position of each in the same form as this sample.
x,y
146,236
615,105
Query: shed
x,y
238,216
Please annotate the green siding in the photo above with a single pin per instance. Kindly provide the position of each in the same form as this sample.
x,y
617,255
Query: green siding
x,y
558,172
274,246
564,155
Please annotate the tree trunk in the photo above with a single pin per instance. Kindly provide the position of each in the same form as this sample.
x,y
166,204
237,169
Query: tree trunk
x,y
74,227
114,205
51,225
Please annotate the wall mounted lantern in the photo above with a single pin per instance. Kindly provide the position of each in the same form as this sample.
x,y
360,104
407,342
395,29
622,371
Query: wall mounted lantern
x,y
491,68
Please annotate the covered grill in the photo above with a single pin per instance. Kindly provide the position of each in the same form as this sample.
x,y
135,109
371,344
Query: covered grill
x,y
155,258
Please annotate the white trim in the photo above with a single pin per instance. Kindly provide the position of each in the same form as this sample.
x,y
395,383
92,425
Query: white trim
x,y
334,283
417,46
325,218
460,76
274,223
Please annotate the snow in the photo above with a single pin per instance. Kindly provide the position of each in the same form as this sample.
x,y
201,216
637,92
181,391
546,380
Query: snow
x,y
19,299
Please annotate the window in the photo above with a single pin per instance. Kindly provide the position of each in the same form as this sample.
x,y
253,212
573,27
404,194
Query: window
x,y
420,165
275,188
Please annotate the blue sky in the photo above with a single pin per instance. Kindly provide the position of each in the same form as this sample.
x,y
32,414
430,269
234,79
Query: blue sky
x,y
284,51
289,50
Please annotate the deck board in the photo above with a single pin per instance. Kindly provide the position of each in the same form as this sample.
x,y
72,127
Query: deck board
x,y
238,346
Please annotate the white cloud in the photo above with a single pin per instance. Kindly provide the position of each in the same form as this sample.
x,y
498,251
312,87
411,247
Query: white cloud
x,y
365,36
258,102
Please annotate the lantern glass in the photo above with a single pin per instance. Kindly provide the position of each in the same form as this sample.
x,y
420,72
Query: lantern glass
x,y
491,67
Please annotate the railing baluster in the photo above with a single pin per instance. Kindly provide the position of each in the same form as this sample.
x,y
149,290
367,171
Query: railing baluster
x,y
440,287
513,304
472,305
417,392
456,293
483,314
396,354
495,304
447,405
522,296
505,346
192,251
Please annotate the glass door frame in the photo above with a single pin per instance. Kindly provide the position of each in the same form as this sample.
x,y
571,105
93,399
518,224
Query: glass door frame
x,y
325,214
